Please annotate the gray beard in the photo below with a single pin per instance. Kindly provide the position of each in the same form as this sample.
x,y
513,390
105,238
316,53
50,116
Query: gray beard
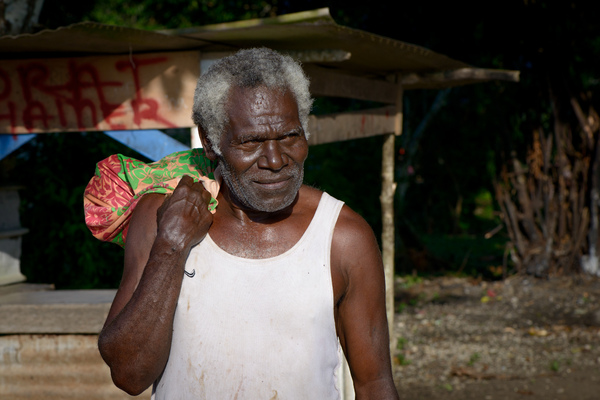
x,y
239,187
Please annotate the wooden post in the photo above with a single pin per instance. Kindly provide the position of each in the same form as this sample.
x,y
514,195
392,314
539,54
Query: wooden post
x,y
387,219
388,188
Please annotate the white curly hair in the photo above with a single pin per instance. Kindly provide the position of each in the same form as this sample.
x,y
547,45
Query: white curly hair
x,y
247,68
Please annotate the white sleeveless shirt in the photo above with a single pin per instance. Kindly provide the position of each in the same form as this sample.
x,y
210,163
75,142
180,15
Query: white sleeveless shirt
x,y
257,329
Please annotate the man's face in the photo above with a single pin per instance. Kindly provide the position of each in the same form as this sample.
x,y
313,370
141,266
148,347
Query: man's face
x,y
263,149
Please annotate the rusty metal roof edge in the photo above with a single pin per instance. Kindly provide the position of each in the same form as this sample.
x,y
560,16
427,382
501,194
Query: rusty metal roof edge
x,y
96,28
74,26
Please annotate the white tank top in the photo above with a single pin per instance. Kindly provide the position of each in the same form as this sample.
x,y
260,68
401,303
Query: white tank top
x,y
257,329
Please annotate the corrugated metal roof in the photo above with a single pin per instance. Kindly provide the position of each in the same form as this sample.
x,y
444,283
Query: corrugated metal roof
x,y
310,30
317,30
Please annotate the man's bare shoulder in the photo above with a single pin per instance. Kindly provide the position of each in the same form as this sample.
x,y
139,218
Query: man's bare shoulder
x,y
352,225
354,244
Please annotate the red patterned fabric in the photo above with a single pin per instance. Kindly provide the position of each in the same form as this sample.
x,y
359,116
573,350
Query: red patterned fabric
x,y
120,182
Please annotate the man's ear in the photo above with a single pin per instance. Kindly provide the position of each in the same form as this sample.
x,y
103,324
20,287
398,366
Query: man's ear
x,y
208,148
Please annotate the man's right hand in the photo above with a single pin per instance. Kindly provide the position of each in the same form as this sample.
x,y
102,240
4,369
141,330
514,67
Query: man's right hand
x,y
183,219
136,338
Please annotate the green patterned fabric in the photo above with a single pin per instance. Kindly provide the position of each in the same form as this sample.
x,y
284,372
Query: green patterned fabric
x,y
120,181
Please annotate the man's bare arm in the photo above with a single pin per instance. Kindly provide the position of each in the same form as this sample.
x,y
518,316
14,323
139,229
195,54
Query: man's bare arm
x,y
360,309
136,338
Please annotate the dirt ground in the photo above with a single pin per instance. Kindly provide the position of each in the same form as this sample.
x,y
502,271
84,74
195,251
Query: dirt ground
x,y
521,338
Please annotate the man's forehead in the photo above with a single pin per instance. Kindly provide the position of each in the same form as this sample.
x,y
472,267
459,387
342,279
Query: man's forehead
x,y
257,93
261,100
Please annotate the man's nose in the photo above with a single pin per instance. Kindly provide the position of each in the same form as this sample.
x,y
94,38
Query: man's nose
x,y
273,157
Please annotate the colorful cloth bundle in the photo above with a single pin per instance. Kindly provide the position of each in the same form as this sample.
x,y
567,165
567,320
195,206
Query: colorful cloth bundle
x,y
120,182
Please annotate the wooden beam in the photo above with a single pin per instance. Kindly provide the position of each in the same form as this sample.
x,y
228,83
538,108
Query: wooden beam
x,y
351,125
457,77
332,83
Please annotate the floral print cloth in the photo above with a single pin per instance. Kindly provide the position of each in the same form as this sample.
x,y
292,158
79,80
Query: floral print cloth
x,y
120,182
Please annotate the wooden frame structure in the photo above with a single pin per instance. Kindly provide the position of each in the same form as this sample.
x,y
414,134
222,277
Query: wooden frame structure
x,y
95,77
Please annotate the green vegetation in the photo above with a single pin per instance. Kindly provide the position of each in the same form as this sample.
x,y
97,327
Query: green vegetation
x,y
474,358
155,14
402,360
401,343
471,255
448,387
401,357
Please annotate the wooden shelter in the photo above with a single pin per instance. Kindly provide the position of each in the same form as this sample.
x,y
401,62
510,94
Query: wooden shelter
x,y
94,77
90,76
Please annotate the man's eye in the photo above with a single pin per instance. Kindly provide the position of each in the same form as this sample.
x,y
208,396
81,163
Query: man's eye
x,y
249,141
292,135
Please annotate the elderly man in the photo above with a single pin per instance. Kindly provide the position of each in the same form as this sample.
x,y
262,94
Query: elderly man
x,y
256,300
